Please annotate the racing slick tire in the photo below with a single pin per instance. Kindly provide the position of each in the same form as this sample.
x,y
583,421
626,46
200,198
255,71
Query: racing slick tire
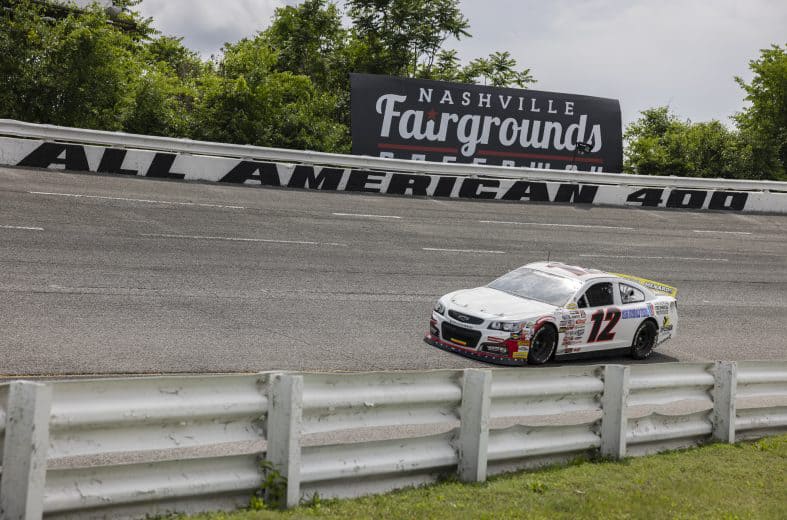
x,y
644,340
543,345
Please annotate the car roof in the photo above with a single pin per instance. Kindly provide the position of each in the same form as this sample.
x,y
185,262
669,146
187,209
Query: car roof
x,y
569,271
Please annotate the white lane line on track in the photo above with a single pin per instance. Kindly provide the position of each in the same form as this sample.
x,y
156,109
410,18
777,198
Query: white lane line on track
x,y
582,226
125,199
240,239
659,258
491,252
363,215
721,232
23,228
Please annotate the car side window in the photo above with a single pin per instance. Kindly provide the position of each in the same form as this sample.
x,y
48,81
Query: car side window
x,y
629,294
582,302
599,295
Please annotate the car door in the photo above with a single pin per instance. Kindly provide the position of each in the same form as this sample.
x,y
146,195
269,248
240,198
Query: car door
x,y
633,309
603,317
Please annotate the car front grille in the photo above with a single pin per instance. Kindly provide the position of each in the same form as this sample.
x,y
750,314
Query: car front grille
x,y
453,333
466,318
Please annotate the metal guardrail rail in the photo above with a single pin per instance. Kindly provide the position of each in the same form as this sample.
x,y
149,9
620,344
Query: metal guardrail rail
x,y
133,141
153,445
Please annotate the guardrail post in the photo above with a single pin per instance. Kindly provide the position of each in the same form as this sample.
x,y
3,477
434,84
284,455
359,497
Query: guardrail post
x,y
24,452
474,424
614,420
285,414
724,390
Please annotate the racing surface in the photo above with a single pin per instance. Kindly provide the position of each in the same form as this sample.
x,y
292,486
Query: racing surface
x,y
110,274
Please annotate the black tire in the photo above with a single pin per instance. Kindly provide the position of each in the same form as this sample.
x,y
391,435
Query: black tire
x,y
644,340
543,345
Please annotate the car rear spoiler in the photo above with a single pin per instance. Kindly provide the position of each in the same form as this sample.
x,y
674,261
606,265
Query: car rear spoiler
x,y
654,286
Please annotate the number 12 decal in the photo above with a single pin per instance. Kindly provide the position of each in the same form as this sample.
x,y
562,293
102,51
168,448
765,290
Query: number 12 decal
x,y
612,315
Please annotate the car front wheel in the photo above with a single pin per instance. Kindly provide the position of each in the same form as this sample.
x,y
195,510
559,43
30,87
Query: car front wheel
x,y
644,340
542,347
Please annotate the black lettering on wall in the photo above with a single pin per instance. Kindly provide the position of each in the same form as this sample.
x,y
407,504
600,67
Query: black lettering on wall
x,y
647,197
687,199
445,185
728,200
47,154
112,162
470,188
400,183
576,193
265,173
533,191
161,167
360,178
303,177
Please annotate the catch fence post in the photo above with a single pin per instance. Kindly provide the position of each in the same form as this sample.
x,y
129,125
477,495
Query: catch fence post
x,y
474,424
24,451
724,390
285,417
614,420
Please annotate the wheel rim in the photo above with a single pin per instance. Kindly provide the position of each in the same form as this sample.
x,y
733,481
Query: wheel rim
x,y
542,344
645,339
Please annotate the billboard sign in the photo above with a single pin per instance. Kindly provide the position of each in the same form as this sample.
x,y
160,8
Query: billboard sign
x,y
430,120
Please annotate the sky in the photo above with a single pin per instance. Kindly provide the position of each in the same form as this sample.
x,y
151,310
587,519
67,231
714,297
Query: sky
x,y
646,53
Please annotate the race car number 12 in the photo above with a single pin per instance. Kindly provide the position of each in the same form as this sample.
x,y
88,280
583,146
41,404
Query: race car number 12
x,y
612,315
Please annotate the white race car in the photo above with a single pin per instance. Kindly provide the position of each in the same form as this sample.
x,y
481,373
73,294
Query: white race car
x,y
547,309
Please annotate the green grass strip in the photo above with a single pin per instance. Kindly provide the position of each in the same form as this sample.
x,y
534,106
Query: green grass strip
x,y
741,481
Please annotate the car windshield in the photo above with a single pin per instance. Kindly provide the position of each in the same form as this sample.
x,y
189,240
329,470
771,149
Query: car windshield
x,y
536,285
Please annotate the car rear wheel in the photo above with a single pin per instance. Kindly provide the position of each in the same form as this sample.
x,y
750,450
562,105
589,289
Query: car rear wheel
x,y
644,340
542,347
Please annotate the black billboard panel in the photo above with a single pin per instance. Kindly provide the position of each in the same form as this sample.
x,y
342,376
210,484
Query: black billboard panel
x,y
451,122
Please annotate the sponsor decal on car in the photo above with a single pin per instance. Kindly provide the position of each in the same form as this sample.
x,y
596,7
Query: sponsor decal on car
x,y
642,312
661,308
657,287
666,324
496,349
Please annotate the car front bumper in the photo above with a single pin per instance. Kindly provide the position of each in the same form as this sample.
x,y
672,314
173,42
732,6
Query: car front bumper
x,y
511,351
486,357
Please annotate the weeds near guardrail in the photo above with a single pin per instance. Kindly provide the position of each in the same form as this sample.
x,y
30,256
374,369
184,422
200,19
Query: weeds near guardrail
x,y
273,490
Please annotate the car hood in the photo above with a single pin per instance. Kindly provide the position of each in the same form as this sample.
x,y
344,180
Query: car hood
x,y
493,304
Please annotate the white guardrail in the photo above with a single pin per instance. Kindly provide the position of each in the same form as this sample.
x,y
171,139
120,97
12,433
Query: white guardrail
x,y
144,446
47,146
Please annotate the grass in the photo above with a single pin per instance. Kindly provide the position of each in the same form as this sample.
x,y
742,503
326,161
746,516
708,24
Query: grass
x,y
746,480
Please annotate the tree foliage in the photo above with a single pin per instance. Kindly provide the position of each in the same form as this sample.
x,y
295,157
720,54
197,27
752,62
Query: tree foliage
x,y
248,102
659,143
763,124
400,35
75,72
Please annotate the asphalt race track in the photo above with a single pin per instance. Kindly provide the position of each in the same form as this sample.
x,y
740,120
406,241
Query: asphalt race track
x,y
110,274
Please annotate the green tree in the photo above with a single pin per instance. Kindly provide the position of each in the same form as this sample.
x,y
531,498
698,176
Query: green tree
x,y
763,124
499,70
447,67
400,36
73,71
183,62
166,90
659,143
310,40
248,102
23,35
